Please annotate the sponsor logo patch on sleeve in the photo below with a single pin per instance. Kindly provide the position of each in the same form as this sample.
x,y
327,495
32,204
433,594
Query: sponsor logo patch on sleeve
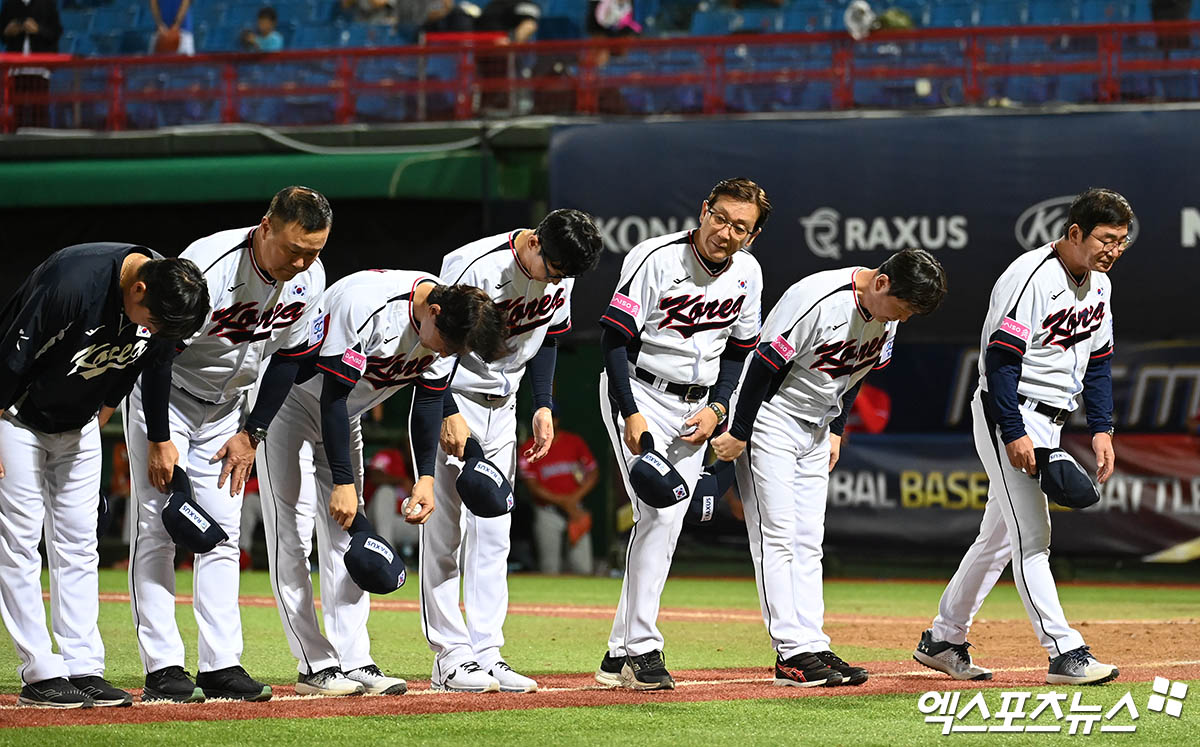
x,y
317,333
783,347
626,304
886,354
1015,328
355,360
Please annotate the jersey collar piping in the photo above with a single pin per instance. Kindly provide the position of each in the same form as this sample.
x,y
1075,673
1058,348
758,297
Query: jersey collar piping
x,y
700,257
1067,271
512,245
866,315
262,274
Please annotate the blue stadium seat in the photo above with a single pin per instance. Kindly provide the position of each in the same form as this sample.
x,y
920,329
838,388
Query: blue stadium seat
x,y
1103,11
1052,12
712,22
1002,13
953,15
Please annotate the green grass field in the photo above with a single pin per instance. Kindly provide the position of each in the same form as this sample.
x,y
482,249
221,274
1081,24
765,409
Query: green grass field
x,y
542,644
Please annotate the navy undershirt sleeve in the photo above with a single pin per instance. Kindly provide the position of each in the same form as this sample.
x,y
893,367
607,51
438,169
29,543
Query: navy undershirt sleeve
x,y
616,363
838,425
541,372
755,385
1097,394
733,359
449,406
276,383
425,424
335,428
156,396
1003,373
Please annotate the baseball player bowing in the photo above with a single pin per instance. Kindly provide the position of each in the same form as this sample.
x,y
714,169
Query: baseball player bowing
x,y
263,282
685,313
820,340
384,329
73,339
528,273
1047,338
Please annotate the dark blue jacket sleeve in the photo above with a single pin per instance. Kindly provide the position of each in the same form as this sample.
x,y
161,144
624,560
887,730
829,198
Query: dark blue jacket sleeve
x,y
759,376
156,396
1003,373
733,359
616,363
541,372
335,427
1097,391
838,425
425,426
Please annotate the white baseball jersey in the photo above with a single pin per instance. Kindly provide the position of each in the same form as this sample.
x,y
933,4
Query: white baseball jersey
x,y
371,338
1055,322
826,341
253,316
679,314
534,309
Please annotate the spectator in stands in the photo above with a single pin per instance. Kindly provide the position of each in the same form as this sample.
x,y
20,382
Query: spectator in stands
x,y
606,19
30,27
378,12
265,37
437,16
174,37
558,483
517,18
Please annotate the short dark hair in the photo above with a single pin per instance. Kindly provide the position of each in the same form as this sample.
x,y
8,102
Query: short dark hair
x,y
742,189
268,12
470,321
176,295
916,277
571,241
1098,207
302,205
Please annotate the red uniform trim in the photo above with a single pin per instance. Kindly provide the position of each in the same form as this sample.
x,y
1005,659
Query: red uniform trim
x,y
622,326
765,358
336,373
1007,345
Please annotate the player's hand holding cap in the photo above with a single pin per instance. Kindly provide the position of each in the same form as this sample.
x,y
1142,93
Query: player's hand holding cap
x,y
654,479
1063,480
483,488
371,561
190,526
715,481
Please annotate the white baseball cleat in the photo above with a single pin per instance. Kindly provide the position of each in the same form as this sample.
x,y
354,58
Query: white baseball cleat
x,y
950,658
467,678
1079,667
330,682
375,682
510,681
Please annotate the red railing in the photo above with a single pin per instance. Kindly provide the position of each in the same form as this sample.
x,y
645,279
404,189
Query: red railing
x,y
473,77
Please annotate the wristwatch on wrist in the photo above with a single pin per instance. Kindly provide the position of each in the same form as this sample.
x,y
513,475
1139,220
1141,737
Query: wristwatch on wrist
x,y
720,412
256,435
1110,431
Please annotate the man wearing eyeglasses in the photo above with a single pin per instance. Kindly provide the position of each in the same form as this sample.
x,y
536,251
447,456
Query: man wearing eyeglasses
x,y
1047,338
686,311
529,274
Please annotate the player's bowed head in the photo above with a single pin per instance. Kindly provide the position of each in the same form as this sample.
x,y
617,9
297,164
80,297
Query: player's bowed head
x,y
293,232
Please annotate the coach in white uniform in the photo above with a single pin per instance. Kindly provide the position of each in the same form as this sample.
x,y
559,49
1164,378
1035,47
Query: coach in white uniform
x,y
529,274
74,337
384,329
819,342
685,313
263,282
1048,337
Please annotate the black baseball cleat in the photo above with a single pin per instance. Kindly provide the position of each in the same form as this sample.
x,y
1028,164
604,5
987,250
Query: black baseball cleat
x,y
609,673
646,672
232,683
56,692
850,675
101,691
173,684
805,670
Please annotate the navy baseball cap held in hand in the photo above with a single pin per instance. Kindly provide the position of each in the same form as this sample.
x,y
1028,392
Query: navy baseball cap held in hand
x,y
1063,480
483,488
371,561
715,481
190,526
654,479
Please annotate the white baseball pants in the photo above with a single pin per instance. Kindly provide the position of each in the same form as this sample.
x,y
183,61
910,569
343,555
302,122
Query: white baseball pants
x,y
783,478
1016,527
456,542
655,530
198,431
51,486
295,484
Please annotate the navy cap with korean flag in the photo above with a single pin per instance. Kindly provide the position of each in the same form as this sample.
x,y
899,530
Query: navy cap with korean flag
x,y
654,479
484,489
190,526
371,561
